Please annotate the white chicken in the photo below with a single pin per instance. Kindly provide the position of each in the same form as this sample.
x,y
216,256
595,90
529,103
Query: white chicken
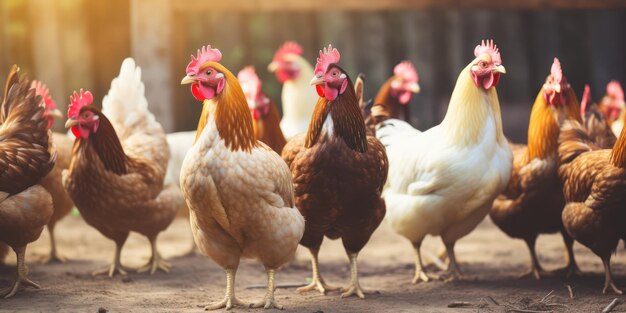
x,y
443,181
298,98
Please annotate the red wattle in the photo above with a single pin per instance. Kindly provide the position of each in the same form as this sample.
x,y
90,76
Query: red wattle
x,y
320,90
75,131
195,91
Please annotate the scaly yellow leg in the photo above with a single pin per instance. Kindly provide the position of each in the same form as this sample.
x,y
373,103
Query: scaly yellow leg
x,y
22,273
156,261
269,302
355,288
318,282
229,300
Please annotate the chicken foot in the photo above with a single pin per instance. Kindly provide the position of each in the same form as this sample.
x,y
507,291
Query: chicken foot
x,y
116,267
229,300
22,273
608,277
571,269
355,288
454,272
318,282
268,302
156,261
536,271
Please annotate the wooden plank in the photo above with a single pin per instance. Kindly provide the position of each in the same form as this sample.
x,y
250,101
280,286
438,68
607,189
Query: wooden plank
x,y
377,5
151,47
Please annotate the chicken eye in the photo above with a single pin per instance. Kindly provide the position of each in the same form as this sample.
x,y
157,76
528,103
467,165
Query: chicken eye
x,y
483,64
209,72
334,73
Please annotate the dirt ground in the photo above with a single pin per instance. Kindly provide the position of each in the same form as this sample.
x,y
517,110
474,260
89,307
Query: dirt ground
x,y
490,260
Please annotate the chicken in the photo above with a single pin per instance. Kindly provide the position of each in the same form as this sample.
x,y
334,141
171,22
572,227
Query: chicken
x,y
52,182
117,167
532,202
394,95
298,98
443,181
265,118
238,190
338,172
614,107
595,122
26,156
594,181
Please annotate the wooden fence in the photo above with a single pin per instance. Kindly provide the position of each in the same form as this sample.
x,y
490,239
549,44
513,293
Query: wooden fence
x,y
71,44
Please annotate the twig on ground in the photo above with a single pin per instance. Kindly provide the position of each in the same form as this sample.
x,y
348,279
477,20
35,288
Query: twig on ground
x,y
571,292
546,297
493,300
459,304
611,306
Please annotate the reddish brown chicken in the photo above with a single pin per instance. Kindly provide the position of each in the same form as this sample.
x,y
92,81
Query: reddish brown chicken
x,y
338,172
532,202
594,181
596,124
394,95
265,117
26,156
52,182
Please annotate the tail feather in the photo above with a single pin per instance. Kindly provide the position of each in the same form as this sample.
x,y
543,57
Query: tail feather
x,y
126,105
391,130
574,140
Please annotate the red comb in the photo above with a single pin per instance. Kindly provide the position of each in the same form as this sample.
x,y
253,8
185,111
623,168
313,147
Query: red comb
x,y
78,101
556,71
327,57
406,70
585,100
249,81
490,48
205,54
614,89
287,48
42,90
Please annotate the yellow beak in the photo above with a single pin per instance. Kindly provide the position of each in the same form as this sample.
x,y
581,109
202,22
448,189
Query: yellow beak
x,y
187,80
414,88
272,67
557,88
56,113
316,81
499,69
71,122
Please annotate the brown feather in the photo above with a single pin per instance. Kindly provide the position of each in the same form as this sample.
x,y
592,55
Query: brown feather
x,y
618,153
267,129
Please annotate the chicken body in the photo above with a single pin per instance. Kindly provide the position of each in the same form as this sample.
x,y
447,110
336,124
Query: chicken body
x,y
594,181
117,182
26,156
338,174
238,190
443,181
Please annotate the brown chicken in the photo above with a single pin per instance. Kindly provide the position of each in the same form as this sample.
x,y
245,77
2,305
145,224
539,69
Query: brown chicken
x,y
26,156
265,117
52,182
118,164
338,172
394,95
596,124
532,202
594,181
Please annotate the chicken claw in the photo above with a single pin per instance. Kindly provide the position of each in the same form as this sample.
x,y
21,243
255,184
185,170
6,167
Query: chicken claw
x,y
420,274
22,279
608,278
115,267
229,300
355,289
318,282
54,256
268,302
156,261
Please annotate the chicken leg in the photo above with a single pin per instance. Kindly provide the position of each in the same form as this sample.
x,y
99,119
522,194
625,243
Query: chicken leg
x,y
229,300
536,271
608,277
571,269
116,266
420,274
156,261
454,272
355,288
318,282
22,272
54,256
269,302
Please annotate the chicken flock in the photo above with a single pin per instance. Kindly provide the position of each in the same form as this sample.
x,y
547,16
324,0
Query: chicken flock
x,y
256,185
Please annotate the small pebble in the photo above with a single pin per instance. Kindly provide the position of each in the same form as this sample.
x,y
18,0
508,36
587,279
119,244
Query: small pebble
x,y
102,310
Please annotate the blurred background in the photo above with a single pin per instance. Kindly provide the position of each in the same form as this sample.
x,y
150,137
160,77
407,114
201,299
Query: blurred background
x,y
72,44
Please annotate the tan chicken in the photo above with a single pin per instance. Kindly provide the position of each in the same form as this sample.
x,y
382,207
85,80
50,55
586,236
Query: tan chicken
x,y
594,181
52,182
238,190
338,172
118,164
265,117
532,202
26,156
